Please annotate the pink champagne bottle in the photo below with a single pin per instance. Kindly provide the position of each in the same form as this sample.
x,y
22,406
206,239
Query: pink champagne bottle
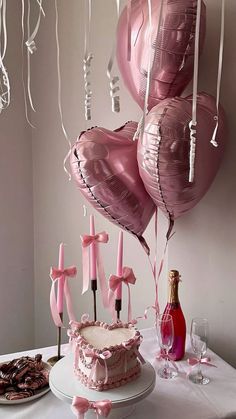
x,y
173,307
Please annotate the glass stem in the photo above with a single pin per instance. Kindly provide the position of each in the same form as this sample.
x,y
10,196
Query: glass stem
x,y
200,369
166,366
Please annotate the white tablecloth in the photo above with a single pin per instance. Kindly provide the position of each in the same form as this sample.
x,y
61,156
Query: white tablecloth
x,y
171,399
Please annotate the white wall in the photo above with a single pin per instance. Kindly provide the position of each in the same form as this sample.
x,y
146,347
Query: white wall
x,y
203,248
16,206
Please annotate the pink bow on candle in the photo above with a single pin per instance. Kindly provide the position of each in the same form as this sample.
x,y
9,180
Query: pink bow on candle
x,y
56,274
81,405
95,360
193,362
114,282
86,242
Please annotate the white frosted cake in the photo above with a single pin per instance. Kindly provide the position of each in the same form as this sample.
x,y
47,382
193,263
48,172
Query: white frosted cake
x,y
106,356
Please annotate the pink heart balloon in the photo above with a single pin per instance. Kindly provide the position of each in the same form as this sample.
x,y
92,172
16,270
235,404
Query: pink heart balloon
x,y
163,153
104,165
173,49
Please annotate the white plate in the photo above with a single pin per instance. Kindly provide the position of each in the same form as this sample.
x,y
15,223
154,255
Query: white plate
x,y
38,393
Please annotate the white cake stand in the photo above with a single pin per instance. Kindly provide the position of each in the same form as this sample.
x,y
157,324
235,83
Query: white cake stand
x,y
65,386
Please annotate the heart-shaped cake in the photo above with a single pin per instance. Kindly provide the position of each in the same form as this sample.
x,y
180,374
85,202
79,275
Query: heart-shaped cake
x,y
106,356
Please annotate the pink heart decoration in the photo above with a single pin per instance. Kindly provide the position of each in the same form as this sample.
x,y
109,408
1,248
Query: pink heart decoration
x,y
173,48
104,166
163,153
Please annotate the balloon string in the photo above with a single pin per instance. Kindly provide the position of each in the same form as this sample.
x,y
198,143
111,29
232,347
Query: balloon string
x,y
87,61
193,122
59,93
113,80
22,68
129,7
220,65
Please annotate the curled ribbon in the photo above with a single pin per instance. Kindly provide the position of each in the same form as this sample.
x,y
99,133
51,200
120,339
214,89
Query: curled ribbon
x,y
87,61
193,122
113,80
96,359
167,357
86,241
193,362
4,79
114,282
55,275
80,406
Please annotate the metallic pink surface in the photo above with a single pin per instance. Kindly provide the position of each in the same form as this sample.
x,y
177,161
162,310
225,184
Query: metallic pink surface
x,y
173,49
163,153
104,165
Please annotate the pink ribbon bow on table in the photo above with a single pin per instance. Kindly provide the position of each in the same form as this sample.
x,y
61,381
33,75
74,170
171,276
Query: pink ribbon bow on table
x,y
95,361
169,357
86,242
56,274
81,405
114,282
193,362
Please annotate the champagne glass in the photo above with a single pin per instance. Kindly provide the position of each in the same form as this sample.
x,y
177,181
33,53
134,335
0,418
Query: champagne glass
x,y
165,332
199,339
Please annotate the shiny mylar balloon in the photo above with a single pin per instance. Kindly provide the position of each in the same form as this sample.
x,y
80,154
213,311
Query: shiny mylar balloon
x,y
104,165
163,153
172,49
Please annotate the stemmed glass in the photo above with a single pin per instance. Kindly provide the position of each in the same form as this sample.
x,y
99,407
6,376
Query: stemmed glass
x,y
165,332
199,339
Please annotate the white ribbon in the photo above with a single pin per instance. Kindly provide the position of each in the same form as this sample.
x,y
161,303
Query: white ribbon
x,y
59,94
193,122
220,64
4,79
87,61
113,80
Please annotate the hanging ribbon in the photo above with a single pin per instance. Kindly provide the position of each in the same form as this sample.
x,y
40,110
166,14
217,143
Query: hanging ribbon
x,y
220,64
59,94
4,79
86,241
114,87
31,46
193,362
141,124
87,61
193,122
80,406
114,282
128,345
96,359
55,275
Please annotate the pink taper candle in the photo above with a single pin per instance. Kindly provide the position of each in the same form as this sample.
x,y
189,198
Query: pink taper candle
x,y
93,256
119,265
60,290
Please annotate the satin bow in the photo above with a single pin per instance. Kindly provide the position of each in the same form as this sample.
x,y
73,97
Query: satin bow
x,y
55,275
168,357
193,362
114,281
132,344
87,240
95,360
81,405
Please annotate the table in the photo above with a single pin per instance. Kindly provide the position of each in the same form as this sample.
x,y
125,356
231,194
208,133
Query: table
x,y
171,399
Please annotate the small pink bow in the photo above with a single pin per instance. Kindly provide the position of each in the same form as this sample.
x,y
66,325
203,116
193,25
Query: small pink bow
x,y
193,362
114,281
95,360
132,344
81,405
86,242
55,275
169,357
